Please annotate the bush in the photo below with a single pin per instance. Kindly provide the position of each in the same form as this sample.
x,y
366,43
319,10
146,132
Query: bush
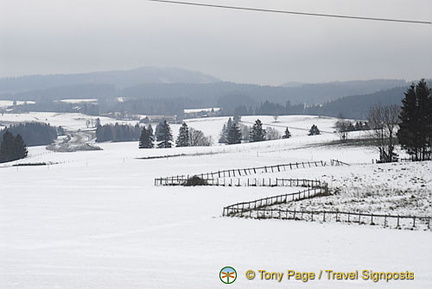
x,y
195,181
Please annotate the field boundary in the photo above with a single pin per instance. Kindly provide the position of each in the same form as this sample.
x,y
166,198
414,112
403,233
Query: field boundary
x,y
212,178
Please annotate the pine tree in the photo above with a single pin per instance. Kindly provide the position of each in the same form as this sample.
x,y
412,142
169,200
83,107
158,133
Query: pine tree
x,y
6,147
20,148
415,128
314,130
151,135
287,133
225,130
12,148
164,136
234,134
257,133
223,133
146,140
183,136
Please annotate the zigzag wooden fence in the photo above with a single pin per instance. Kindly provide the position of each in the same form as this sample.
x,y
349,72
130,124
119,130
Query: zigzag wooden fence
x,y
213,177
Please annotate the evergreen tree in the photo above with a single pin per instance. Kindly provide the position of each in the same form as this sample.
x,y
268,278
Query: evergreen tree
x,y
415,128
314,130
183,136
20,148
145,141
164,136
257,133
12,148
7,147
234,134
223,133
287,133
151,135
225,130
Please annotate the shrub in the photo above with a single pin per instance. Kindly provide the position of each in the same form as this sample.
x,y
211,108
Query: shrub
x,y
195,181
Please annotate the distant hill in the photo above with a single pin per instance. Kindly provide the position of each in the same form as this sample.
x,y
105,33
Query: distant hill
x,y
357,106
150,90
119,79
321,92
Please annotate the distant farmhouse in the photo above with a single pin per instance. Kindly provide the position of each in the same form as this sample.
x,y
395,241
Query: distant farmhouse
x,y
159,118
201,112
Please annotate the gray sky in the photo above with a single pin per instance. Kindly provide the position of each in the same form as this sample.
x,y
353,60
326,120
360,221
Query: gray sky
x,y
68,36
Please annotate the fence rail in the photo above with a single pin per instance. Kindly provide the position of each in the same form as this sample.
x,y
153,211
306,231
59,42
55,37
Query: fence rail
x,y
395,221
213,177
237,210
245,182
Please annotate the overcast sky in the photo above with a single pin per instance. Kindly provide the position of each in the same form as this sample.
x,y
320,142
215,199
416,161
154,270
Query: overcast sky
x,y
68,36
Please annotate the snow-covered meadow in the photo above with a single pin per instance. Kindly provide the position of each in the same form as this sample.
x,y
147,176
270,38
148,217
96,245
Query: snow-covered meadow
x,y
94,219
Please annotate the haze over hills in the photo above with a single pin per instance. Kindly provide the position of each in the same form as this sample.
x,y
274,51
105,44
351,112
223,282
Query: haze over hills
x,y
119,78
149,90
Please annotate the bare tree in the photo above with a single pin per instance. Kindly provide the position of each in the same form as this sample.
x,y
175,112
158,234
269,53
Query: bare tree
x,y
197,138
343,127
272,134
383,121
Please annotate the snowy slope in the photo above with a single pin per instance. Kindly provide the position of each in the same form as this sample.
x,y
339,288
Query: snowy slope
x,y
95,220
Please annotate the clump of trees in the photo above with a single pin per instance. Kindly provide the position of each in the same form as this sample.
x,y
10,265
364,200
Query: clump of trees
x,y
117,132
34,133
12,147
415,127
344,127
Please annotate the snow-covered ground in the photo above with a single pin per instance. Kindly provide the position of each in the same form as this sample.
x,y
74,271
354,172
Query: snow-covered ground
x,y
94,219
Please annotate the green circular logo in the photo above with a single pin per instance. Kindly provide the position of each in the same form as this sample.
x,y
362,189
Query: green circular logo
x,y
228,275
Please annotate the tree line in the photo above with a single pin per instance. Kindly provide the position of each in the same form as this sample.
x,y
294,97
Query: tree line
x,y
117,132
12,147
34,133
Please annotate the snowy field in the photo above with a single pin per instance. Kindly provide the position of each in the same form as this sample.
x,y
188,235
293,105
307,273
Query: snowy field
x,y
95,220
